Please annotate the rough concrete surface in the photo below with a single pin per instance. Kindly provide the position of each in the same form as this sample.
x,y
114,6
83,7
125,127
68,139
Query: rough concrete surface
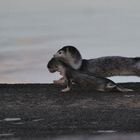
x,y
42,111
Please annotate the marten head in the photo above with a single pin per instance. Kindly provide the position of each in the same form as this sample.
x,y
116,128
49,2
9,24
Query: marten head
x,y
52,65
57,65
70,55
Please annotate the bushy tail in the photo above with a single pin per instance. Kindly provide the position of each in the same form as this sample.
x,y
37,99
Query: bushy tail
x,y
122,89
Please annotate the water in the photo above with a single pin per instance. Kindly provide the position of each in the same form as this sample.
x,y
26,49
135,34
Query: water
x,y
32,31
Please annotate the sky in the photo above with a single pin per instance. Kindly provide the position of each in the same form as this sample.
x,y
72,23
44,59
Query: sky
x,y
30,28
33,5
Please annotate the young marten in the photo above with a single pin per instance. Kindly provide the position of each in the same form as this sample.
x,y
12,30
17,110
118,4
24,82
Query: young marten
x,y
71,75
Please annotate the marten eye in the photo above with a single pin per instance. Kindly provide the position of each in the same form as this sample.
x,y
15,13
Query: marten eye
x,y
60,52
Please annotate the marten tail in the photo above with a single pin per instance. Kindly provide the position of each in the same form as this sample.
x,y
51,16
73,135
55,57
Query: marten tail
x,y
122,89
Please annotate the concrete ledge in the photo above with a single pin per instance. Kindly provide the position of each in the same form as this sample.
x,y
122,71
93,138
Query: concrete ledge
x,y
41,110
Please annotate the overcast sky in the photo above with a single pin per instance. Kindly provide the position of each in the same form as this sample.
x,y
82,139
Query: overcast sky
x,y
39,5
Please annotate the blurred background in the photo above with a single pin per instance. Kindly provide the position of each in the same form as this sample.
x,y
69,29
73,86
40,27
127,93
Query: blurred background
x,y
31,31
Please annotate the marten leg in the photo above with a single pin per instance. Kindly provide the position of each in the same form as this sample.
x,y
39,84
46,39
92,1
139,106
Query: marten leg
x,y
68,86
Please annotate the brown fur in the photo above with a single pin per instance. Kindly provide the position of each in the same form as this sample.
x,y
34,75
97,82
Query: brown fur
x,y
70,74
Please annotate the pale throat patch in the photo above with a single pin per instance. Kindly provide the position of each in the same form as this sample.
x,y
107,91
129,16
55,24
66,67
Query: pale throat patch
x,y
61,69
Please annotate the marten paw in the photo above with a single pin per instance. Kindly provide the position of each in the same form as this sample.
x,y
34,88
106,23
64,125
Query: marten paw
x,y
66,89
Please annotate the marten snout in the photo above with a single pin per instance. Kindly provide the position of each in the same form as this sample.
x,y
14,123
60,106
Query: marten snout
x,y
48,66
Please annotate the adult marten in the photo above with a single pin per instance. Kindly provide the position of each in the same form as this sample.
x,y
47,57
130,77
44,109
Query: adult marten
x,y
102,66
